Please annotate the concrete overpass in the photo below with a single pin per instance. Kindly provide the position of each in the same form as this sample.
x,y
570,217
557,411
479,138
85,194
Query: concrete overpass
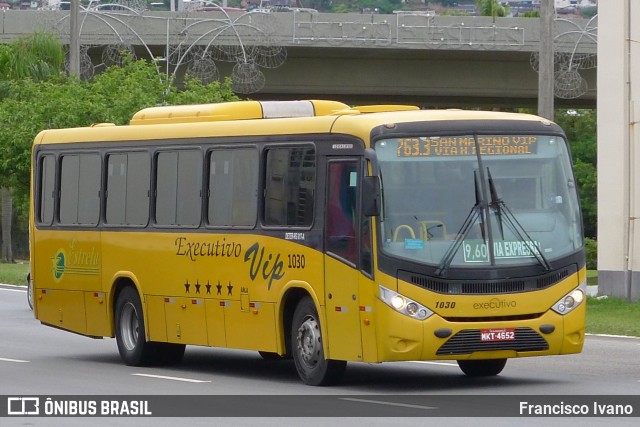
x,y
357,58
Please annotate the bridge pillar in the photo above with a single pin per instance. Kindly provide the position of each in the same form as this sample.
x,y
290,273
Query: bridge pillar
x,y
619,149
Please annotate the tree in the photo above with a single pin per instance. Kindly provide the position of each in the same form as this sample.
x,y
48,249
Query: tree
x,y
383,6
7,212
37,56
62,102
580,127
491,8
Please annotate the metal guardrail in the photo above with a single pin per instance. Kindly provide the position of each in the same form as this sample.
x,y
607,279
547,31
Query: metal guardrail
x,y
415,29
305,27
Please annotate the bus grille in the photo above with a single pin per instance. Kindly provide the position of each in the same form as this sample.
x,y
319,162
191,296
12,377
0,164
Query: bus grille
x,y
468,341
485,287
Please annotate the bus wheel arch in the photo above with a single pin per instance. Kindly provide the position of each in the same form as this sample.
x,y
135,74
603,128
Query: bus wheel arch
x,y
288,304
307,347
290,301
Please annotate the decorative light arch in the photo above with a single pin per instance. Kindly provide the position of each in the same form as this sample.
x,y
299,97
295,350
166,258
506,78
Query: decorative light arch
x,y
246,40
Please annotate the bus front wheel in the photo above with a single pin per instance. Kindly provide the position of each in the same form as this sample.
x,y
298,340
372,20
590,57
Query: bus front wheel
x,y
308,353
482,368
129,325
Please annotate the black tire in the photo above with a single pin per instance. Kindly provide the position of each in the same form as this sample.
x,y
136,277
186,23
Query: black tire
x,y
29,291
134,349
167,353
269,355
482,368
307,350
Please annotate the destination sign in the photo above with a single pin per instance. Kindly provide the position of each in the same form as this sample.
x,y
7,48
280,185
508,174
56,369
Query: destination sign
x,y
477,250
497,145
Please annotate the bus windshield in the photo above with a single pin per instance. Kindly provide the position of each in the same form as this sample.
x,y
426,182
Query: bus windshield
x,y
465,200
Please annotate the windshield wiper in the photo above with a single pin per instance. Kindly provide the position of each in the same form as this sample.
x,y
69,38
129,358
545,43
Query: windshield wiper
x,y
475,213
502,212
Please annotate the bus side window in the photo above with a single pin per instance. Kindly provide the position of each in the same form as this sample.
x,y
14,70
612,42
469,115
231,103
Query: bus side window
x,y
233,187
128,181
80,189
46,188
178,187
341,209
289,183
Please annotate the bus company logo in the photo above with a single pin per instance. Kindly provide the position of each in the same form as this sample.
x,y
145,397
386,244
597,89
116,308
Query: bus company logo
x,y
76,261
495,304
58,265
23,406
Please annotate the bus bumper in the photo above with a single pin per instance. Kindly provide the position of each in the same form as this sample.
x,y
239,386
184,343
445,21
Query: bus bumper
x,y
404,338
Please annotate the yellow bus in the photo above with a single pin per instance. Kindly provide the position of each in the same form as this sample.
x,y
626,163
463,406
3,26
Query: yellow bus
x,y
313,231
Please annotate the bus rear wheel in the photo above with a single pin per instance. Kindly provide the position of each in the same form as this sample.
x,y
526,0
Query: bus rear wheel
x,y
129,325
167,353
308,353
29,291
482,368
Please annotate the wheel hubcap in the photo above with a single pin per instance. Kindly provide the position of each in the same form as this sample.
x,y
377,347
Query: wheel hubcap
x,y
129,326
309,342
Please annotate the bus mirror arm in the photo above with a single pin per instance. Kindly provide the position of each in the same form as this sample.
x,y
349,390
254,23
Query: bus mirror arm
x,y
370,155
371,201
370,196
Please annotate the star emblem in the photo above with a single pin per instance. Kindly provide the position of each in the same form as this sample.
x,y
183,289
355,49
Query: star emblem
x,y
186,287
208,286
230,289
197,287
219,288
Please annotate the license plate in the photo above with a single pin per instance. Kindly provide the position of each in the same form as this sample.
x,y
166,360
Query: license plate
x,y
492,335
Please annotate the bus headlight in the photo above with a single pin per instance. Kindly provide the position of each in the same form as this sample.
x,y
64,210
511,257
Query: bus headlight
x,y
570,301
404,305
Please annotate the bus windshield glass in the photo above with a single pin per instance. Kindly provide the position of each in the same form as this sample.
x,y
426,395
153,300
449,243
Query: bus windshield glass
x,y
466,200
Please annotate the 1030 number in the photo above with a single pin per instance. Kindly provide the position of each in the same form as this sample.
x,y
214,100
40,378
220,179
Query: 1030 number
x,y
296,261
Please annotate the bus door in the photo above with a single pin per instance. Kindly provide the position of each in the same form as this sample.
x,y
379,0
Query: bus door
x,y
341,259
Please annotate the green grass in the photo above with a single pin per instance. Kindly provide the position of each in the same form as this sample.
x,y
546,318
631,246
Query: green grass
x,y
612,316
14,274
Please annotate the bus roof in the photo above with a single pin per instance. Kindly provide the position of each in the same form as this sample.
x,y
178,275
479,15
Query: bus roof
x,y
265,118
240,110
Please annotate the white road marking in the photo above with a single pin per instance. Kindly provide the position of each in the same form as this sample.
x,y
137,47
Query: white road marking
x,y
17,288
162,377
613,336
381,402
2,359
435,363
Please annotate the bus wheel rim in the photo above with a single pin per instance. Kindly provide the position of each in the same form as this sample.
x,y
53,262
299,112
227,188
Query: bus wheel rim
x,y
309,342
129,326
